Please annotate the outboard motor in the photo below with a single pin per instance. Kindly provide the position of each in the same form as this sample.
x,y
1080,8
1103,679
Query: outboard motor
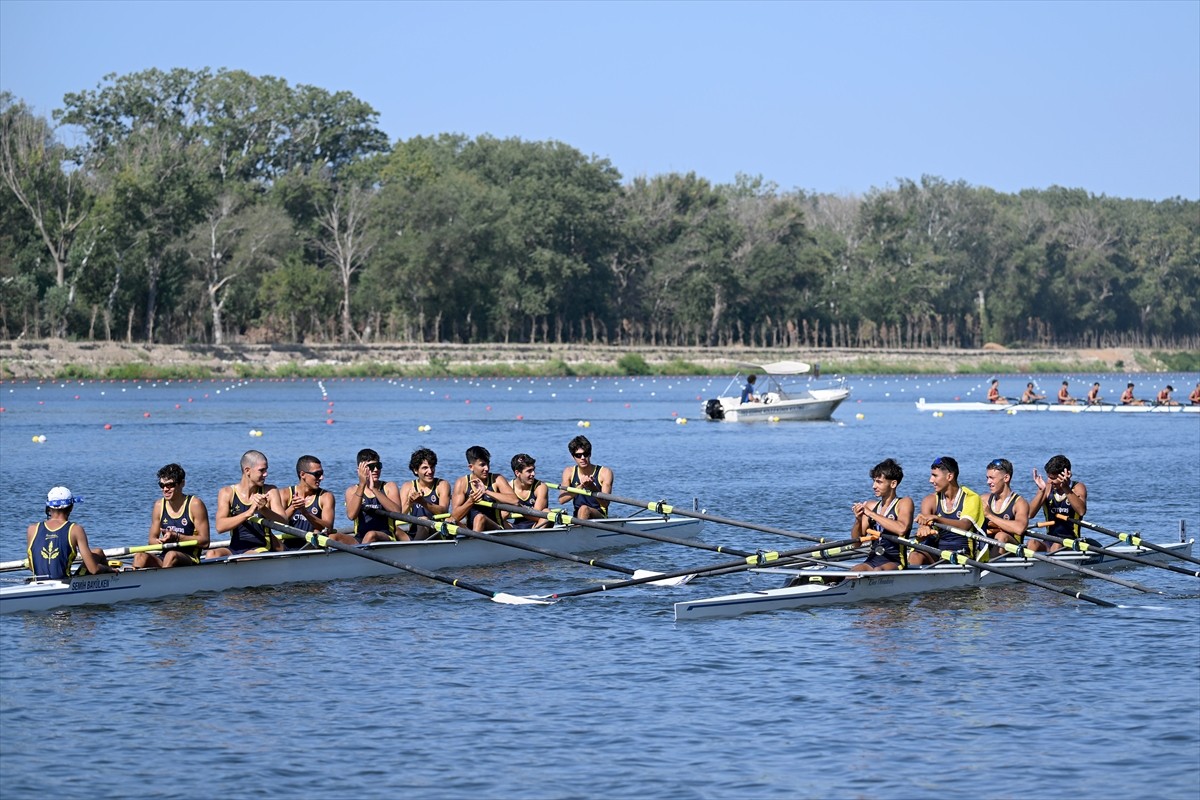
x,y
713,409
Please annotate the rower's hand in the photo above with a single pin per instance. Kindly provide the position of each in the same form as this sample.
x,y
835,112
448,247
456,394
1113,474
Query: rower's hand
x,y
1038,479
859,509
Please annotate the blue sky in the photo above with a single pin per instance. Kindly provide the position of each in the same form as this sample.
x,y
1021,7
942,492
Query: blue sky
x,y
831,97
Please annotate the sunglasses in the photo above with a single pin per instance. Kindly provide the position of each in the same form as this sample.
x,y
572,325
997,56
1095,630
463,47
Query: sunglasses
x,y
167,485
374,465
581,454
938,464
997,463
318,474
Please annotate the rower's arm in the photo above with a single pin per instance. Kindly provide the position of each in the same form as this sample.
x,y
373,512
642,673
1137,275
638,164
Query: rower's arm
x,y
225,522
605,479
354,496
156,521
900,526
503,492
563,494
200,520
327,507
389,498
459,501
1017,524
1077,497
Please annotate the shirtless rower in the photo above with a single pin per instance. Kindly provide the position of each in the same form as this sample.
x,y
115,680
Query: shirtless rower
x,y
1127,398
308,506
175,517
426,495
585,475
1064,395
1058,495
1006,513
372,494
994,395
1164,397
1030,394
241,508
530,492
888,514
1093,395
480,483
951,505
51,545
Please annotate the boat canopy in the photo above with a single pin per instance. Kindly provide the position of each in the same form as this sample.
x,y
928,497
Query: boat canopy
x,y
780,367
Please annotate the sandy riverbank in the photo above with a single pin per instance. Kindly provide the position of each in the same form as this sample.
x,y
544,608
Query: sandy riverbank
x,y
56,358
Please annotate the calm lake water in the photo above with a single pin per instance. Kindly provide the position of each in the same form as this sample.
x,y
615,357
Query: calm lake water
x,y
403,687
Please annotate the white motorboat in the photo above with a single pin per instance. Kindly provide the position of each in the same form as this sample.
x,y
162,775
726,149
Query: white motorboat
x,y
779,401
822,586
296,566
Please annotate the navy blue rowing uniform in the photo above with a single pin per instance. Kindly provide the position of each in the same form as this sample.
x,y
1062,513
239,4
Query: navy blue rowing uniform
x,y
1005,511
884,551
527,521
369,519
184,526
250,536
51,552
491,513
586,499
1056,504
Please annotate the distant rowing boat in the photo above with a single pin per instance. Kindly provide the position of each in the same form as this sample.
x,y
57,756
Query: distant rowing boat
x,y
1013,408
826,587
301,566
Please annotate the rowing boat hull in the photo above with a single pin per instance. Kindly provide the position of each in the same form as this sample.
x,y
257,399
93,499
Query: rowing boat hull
x,y
868,586
301,566
1014,408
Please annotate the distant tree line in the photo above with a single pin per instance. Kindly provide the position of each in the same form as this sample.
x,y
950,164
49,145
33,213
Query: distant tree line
x,y
201,206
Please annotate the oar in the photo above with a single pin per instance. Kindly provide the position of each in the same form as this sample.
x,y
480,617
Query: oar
x,y
1025,552
959,558
563,518
1130,538
1084,546
318,540
667,509
448,529
784,558
117,552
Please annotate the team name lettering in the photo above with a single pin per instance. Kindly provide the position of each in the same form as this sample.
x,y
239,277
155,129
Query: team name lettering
x,y
89,585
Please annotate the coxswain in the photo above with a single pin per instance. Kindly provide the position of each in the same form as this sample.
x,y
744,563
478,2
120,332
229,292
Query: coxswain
x,y
1058,495
585,475
242,507
948,505
887,514
175,517
51,545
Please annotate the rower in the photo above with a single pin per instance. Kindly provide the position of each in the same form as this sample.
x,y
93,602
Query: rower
x,y
1030,394
1194,397
888,514
1006,513
1064,395
480,484
585,475
1058,495
51,545
175,517
1164,397
426,495
531,493
370,496
1093,395
308,506
949,505
1127,398
241,508
993,395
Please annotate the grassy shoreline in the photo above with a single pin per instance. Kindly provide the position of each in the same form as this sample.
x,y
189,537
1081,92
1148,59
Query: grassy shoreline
x,y
59,360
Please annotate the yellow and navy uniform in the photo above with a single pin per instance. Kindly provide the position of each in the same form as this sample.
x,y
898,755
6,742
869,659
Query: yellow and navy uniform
x,y
51,552
527,521
1056,504
968,505
298,520
491,513
369,519
583,499
419,509
250,536
183,526
884,551
1005,511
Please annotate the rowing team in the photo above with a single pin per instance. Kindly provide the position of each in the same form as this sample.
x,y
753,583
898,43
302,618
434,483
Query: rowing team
x,y
951,511
1031,395
371,504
